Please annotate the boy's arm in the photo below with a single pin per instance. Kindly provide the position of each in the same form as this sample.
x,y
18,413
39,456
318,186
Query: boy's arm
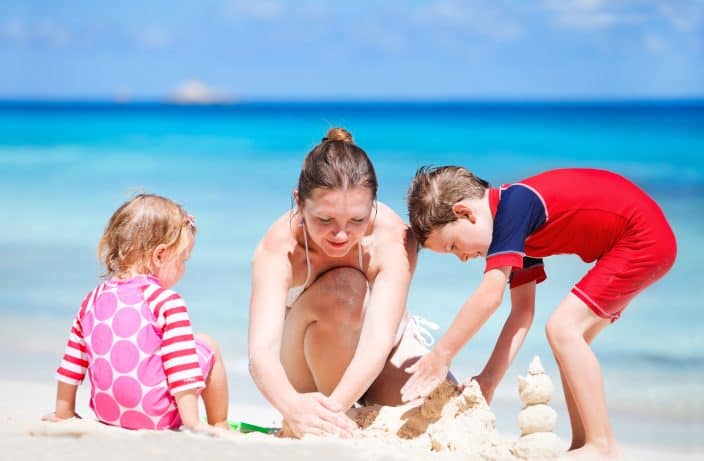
x,y
432,369
510,340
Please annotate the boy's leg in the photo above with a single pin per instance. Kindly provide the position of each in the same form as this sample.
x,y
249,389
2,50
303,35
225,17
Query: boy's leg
x,y
567,331
215,394
575,419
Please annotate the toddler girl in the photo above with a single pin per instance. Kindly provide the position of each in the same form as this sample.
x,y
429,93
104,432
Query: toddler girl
x,y
133,334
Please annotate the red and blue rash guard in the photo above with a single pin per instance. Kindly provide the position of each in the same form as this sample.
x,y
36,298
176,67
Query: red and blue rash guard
x,y
595,214
521,213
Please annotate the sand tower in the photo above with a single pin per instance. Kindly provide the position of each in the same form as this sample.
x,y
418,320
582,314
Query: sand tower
x,y
537,419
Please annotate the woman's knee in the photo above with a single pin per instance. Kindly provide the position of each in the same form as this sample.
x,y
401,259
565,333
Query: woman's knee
x,y
342,283
339,296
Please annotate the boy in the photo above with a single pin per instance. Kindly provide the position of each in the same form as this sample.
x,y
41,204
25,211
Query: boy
x,y
595,214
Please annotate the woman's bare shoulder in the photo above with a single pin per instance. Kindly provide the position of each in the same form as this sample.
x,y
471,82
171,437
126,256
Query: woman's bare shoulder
x,y
387,219
392,230
389,223
279,239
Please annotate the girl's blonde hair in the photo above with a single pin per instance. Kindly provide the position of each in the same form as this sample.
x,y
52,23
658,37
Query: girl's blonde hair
x,y
137,228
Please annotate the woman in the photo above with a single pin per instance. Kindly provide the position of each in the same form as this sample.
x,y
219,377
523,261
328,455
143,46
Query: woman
x,y
328,322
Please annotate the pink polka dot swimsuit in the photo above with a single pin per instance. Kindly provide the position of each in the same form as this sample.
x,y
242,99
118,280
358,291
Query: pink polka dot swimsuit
x,y
135,340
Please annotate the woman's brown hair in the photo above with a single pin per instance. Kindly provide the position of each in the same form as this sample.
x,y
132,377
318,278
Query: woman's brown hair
x,y
336,163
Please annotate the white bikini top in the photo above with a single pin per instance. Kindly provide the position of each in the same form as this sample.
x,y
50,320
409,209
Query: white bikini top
x,y
295,292
418,325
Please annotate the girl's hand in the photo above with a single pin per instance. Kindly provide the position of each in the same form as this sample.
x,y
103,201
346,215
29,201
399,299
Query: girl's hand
x,y
316,414
54,418
206,429
427,374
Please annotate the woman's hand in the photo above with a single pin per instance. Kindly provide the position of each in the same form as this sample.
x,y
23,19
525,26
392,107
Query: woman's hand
x,y
314,413
428,373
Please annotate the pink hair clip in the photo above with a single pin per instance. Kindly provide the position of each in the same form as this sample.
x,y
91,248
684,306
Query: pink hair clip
x,y
191,220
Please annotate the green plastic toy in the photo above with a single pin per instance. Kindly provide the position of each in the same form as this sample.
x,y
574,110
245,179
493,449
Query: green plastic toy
x,y
246,428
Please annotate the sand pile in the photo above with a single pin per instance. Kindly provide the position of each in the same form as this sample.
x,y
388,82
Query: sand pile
x,y
449,421
458,424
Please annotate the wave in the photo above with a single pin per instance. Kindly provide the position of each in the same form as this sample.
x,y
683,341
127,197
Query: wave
x,y
660,359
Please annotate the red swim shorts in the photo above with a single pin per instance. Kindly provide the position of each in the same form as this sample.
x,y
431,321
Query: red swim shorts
x,y
645,252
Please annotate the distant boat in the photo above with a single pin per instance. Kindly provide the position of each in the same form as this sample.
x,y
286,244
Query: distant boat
x,y
197,92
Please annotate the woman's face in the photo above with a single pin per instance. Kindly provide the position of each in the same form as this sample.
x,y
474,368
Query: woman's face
x,y
337,219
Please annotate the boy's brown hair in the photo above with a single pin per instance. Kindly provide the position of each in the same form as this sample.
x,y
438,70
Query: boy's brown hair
x,y
433,192
137,228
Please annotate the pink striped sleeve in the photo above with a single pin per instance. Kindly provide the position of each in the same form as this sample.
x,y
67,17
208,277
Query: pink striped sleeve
x,y
178,347
75,360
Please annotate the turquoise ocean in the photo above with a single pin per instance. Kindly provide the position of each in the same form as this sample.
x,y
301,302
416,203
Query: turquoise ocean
x,y
65,167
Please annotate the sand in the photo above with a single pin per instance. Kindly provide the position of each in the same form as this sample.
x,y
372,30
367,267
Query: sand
x,y
448,421
425,432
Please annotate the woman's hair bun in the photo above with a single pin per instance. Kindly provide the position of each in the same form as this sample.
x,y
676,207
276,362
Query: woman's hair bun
x,y
338,134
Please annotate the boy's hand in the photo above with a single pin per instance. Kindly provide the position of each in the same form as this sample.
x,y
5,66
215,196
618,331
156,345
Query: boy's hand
x,y
486,385
428,373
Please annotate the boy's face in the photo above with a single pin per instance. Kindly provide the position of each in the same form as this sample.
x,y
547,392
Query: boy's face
x,y
465,238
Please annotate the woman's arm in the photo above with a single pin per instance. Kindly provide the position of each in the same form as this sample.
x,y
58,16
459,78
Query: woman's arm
x,y
267,309
309,413
397,255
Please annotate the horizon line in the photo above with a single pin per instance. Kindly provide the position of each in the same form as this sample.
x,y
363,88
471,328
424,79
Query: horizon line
x,y
353,101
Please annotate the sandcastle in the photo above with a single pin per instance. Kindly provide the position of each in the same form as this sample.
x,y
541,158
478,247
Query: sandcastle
x,y
456,423
537,419
448,420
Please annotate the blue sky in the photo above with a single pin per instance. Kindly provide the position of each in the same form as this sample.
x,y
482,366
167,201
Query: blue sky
x,y
285,49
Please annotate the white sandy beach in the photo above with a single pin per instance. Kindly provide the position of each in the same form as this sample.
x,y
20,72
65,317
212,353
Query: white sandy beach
x,y
24,436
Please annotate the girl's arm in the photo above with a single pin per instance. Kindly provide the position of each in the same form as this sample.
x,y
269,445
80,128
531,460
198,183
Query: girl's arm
x,y
510,340
432,369
66,400
71,372
397,256
65,403
187,404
